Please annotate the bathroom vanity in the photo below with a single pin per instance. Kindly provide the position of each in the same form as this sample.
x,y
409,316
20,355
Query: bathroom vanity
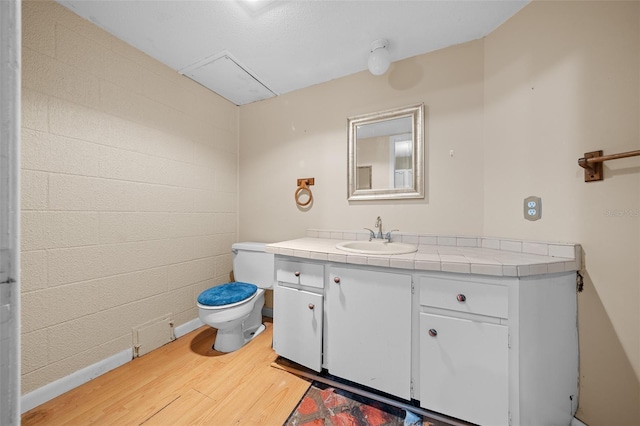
x,y
483,330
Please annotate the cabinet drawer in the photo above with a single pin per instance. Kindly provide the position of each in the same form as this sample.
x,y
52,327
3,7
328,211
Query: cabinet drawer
x,y
465,296
300,273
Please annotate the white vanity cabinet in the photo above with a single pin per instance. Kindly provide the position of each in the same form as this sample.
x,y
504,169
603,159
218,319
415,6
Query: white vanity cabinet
x,y
298,312
368,320
498,348
499,351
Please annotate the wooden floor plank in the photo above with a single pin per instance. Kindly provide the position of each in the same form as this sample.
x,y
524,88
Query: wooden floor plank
x,y
274,408
186,409
185,382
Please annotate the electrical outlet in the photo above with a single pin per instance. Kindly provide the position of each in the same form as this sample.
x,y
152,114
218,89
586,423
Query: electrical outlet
x,y
532,208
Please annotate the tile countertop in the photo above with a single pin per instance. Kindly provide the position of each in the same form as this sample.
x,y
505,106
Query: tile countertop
x,y
464,255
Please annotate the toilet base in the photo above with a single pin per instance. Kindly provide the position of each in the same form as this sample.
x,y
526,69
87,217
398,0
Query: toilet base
x,y
228,340
231,340
249,334
235,334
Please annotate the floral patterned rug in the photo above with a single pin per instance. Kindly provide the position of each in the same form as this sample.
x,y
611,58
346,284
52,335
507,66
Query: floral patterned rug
x,y
323,405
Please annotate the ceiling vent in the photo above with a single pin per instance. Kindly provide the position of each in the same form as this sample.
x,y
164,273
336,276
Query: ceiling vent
x,y
223,74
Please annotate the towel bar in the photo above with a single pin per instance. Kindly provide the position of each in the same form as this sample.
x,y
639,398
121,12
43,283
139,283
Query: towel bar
x,y
592,163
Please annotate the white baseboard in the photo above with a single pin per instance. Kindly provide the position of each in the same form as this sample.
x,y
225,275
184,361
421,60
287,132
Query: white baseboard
x,y
267,312
65,384
576,422
187,327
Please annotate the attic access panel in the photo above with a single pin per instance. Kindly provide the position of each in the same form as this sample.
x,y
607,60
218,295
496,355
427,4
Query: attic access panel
x,y
224,75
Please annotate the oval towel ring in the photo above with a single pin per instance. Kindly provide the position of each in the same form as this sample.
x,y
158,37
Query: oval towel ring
x,y
303,185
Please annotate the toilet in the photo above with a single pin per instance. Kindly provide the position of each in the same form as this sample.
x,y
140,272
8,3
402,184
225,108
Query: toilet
x,y
235,308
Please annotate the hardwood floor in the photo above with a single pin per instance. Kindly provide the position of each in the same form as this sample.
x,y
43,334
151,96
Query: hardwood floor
x,y
183,383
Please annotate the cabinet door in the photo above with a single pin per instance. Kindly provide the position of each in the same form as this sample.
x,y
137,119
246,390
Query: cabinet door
x,y
369,329
297,326
464,369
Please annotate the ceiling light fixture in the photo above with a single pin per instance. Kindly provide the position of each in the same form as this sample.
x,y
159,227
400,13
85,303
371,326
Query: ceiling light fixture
x,y
379,60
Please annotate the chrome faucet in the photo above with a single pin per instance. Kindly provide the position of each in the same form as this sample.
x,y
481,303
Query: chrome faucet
x,y
379,226
380,236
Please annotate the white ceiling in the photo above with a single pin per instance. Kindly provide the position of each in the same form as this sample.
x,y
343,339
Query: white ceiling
x,y
285,45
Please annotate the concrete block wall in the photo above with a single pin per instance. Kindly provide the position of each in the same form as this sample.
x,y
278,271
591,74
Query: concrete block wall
x,y
129,193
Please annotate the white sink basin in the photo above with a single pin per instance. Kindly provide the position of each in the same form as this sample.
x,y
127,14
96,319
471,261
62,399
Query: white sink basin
x,y
376,247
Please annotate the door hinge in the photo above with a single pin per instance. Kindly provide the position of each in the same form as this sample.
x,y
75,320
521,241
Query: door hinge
x,y
411,392
509,340
413,288
509,418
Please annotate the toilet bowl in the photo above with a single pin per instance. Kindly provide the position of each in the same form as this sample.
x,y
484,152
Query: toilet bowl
x,y
235,308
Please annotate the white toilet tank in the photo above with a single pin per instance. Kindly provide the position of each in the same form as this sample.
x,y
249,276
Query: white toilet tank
x,y
253,265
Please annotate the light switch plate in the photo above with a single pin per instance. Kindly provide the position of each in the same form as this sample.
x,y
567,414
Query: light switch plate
x,y
532,208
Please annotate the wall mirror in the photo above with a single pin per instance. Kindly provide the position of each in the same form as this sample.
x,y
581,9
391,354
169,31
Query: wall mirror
x,y
385,154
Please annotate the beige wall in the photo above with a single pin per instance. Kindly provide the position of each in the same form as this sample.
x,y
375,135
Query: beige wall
x,y
549,98
518,109
303,134
129,188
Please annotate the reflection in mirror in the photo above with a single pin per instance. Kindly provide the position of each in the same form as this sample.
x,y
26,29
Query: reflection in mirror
x,y
363,178
385,155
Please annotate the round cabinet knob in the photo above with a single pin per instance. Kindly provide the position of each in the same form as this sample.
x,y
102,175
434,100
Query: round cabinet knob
x,y
311,306
296,273
461,298
336,280
433,332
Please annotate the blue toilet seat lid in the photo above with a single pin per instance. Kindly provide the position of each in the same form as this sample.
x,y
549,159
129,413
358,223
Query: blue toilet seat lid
x,y
226,294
